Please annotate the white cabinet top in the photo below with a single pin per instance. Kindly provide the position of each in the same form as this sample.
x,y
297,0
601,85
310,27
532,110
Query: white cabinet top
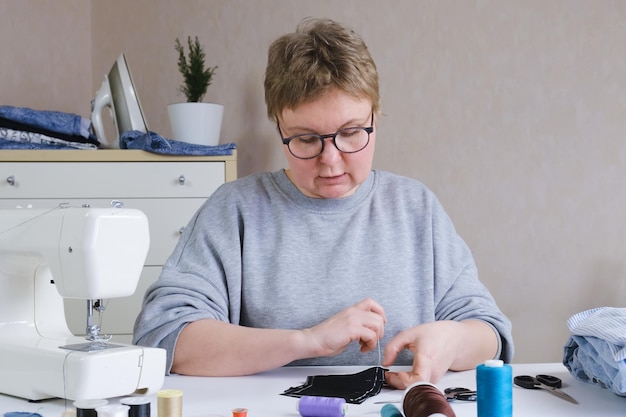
x,y
101,155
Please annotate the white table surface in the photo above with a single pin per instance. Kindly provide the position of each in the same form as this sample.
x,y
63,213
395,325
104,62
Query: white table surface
x,y
260,394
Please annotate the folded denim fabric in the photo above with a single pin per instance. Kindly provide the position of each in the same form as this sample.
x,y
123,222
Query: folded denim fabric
x,y
153,142
55,121
10,144
34,138
24,127
596,350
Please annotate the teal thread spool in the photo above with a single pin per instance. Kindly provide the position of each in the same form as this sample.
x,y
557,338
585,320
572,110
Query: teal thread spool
x,y
494,389
390,410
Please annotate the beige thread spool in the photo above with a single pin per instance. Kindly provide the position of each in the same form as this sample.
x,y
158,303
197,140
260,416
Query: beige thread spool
x,y
170,403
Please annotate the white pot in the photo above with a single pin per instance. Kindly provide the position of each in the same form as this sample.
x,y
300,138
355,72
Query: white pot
x,y
198,123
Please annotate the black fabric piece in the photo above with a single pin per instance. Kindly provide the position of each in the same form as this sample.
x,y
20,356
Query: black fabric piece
x,y
354,388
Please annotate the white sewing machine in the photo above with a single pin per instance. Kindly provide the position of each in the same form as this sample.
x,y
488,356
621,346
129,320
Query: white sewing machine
x,y
81,253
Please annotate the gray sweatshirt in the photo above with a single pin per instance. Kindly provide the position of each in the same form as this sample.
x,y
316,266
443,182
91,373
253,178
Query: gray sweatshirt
x,y
259,253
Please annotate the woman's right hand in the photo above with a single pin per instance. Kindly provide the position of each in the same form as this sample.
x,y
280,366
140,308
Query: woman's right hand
x,y
363,322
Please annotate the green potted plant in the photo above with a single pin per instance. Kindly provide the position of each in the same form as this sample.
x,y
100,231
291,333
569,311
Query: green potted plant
x,y
197,78
194,121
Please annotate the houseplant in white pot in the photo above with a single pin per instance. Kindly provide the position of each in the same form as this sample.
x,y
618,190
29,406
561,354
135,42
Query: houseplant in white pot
x,y
194,121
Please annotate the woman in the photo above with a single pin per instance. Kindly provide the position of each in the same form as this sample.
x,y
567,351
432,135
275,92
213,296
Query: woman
x,y
326,261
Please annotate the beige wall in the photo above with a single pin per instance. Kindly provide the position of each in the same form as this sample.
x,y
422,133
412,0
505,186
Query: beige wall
x,y
45,54
513,112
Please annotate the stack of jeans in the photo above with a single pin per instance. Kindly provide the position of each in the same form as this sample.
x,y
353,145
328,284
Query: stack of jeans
x,y
25,128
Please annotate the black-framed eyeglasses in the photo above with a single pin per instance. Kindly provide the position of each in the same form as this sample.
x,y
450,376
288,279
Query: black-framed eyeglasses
x,y
346,140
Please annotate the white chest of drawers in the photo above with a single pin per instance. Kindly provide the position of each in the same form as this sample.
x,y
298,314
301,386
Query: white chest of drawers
x,y
168,189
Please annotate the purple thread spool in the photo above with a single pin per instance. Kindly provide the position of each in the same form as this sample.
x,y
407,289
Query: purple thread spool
x,y
312,406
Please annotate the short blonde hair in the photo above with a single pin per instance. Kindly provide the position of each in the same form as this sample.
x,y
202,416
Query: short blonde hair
x,y
321,55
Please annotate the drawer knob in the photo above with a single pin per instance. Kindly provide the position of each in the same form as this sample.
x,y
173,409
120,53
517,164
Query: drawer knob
x,y
11,180
181,180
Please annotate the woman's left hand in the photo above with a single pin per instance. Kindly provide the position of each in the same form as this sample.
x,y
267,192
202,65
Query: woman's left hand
x,y
438,347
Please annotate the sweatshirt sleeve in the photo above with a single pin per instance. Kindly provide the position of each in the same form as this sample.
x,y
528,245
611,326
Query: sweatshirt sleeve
x,y
193,283
459,293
